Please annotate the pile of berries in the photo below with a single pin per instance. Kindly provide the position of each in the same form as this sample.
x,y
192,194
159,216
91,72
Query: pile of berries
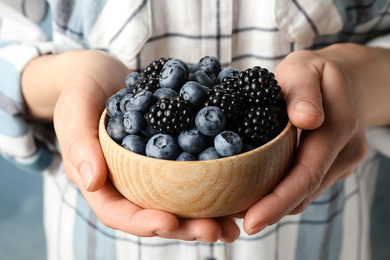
x,y
176,111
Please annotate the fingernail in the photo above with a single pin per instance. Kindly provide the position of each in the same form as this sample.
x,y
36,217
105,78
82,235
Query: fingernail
x,y
162,232
307,107
86,174
201,239
257,229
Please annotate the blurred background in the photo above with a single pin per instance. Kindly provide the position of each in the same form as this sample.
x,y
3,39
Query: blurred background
x,y
21,227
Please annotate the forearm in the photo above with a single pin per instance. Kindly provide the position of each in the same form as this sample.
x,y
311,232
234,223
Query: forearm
x,y
368,71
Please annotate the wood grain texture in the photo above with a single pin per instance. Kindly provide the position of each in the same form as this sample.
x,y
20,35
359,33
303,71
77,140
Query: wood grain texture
x,y
201,188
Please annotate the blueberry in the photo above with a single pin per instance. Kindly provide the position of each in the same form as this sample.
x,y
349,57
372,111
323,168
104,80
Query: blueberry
x,y
192,140
148,130
133,78
209,64
173,76
205,88
125,104
165,93
205,78
228,143
142,101
113,105
209,154
192,69
162,146
124,91
133,121
178,62
210,120
184,156
228,72
194,92
247,147
115,129
134,143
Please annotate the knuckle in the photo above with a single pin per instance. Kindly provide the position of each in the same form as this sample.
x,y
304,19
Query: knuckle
x,y
302,54
70,143
70,147
362,151
352,125
356,149
301,207
316,177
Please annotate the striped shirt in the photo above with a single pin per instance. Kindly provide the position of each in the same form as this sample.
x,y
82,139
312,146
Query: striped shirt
x,y
241,34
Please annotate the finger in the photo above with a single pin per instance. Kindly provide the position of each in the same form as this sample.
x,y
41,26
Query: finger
x,y
328,181
300,81
76,124
239,214
230,230
305,176
78,110
318,148
204,230
344,166
116,212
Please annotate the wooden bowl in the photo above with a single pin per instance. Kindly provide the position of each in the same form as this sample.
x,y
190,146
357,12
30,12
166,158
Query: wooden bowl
x,y
199,189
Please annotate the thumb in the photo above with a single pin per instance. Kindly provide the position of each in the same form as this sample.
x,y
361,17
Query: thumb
x,y
86,82
76,121
301,83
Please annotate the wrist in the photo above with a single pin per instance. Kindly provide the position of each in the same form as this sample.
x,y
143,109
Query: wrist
x,y
365,70
39,93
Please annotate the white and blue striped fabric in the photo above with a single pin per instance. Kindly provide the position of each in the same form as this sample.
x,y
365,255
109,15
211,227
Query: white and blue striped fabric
x,y
240,34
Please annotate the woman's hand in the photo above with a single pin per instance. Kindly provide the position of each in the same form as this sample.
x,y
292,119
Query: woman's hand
x,y
331,94
73,88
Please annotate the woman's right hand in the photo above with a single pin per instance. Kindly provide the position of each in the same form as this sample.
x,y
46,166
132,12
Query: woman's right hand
x,y
331,94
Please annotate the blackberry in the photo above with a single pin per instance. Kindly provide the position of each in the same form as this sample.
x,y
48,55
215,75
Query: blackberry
x,y
228,97
171,115
149,84
259,86
155,67
261,124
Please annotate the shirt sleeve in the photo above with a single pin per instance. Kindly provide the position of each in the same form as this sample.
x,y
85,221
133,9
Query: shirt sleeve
x,y
22,38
